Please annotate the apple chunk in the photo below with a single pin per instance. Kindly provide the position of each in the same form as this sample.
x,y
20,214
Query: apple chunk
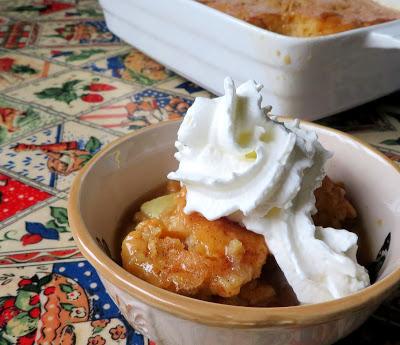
x,y
155,207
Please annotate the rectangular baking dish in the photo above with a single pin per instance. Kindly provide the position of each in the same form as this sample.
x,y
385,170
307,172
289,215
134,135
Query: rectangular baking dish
x,y
304,77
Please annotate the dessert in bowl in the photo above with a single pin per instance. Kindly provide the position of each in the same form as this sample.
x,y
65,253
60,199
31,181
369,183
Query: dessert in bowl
x,y
331,287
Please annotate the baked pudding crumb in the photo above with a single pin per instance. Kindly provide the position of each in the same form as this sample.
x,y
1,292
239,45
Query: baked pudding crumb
x,y
306,18
190,255
219,260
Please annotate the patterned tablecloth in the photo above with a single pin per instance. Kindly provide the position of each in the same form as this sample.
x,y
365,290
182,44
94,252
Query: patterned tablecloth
x,y
68,86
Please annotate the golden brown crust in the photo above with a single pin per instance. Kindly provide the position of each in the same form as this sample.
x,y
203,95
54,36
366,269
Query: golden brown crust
x,y
190,255
253,294
334,209
217,260
306,18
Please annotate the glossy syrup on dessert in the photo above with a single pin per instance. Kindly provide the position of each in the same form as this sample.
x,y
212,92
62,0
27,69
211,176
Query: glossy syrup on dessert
x,y
271,289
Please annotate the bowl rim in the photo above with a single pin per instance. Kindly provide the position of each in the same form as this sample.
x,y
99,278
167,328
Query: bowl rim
x,y
214,314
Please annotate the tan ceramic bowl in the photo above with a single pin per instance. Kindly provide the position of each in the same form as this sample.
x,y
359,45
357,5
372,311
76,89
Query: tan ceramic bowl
x,y
136,163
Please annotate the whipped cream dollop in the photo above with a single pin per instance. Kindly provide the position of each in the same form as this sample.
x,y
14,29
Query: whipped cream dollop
x,y
237,162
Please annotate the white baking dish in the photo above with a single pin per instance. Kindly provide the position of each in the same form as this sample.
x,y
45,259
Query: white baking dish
x,y
304,77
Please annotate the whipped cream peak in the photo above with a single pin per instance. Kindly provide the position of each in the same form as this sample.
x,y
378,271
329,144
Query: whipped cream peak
x,y
238,162
228,147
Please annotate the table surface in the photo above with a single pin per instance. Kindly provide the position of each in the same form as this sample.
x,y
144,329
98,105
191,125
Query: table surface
x,y
68,86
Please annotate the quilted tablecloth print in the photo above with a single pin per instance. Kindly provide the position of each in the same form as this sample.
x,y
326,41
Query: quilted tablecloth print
x,y
68,86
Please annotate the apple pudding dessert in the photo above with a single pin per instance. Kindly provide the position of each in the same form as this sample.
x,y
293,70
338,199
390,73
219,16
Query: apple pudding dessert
x,y
217,260
249,218
306,18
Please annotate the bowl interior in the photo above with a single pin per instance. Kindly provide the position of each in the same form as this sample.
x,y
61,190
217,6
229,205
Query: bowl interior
x,y
136,164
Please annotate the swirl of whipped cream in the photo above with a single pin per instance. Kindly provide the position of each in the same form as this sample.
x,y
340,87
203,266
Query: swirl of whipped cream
x,y
237,162
228,148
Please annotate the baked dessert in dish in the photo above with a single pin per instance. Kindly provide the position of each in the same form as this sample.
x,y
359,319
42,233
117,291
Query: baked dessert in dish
x,y
306,18
254,220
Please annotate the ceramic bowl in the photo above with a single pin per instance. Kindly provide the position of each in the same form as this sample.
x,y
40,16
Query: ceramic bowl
x,y
135,164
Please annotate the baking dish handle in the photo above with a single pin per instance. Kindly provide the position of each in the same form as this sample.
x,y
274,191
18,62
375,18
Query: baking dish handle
x,y
383,40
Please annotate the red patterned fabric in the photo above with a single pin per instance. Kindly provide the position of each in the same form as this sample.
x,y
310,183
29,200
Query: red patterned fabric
x,y
17,196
